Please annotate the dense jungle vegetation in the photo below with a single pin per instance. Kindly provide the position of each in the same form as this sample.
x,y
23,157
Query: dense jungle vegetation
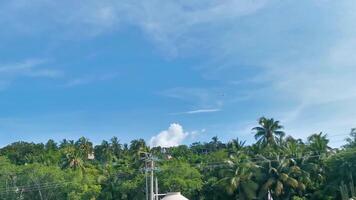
x,y
277,165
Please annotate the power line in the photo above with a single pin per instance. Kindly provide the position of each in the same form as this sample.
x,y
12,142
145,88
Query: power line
x,y
34,187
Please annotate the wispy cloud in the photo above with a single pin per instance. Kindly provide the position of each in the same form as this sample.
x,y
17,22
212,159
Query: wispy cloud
x,y
202,111
180,25
20,67
174,28
199,111
89,79
199,97
33,68
29,67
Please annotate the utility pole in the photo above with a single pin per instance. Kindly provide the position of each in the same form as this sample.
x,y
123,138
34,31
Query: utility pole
x,y
149,167
156,189
146,177
152,168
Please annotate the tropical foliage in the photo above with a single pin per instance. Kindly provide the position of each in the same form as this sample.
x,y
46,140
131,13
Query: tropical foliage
x,y
277,165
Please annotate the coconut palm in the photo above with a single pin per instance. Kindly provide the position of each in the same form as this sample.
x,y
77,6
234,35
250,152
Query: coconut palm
x,y
269,132
138,146
116,147
282,178
103,152
72,159
318,144
84,147
235,146
239,176
351,141
318,151
214,145
293,148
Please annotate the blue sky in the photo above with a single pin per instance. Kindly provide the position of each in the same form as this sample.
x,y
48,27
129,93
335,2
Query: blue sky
x,y
174,72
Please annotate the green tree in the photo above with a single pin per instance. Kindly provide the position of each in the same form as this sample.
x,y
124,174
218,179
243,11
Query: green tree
x,y
282,178
235,146
104,152
178,176
340,167
116,147
238,177
84,147
351,141
72,158
23,152
318,144
51,145
269,132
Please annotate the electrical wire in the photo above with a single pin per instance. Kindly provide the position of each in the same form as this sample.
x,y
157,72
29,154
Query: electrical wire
x,y
35,187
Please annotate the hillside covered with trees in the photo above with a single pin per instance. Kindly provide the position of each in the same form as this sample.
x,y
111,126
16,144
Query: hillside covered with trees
x,y
276,164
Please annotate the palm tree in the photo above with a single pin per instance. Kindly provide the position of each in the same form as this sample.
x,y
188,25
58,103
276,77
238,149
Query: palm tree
x,y
318,151
269,132
235,146
214,145
116,146
103,152
293,148
138,146
351,141
318,144
65,143
85,147
51,145
348,192
72,159
282,178
138,149
239,175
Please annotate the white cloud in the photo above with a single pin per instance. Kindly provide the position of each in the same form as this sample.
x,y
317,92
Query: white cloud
x,y
89,79
202,111
177,25
199,111
32,68
20,67
29,68
323,89
200,97
173,136
170,24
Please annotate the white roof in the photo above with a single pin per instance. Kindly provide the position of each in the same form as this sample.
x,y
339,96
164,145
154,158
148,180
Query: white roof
x,y
174,196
